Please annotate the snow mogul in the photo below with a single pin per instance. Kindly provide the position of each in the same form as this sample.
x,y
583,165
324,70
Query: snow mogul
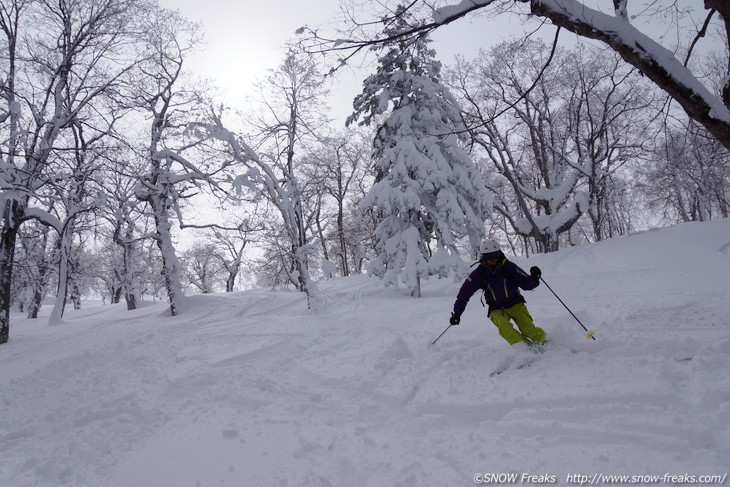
x,y
501,280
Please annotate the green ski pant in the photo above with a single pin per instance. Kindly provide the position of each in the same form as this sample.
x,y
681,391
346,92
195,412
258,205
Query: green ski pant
x,y
528,331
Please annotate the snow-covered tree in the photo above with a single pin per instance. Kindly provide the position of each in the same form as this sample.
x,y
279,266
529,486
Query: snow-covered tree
x,y
76,196
272,181
339,167
34,267
201,268
179,160
292,116
688,178
230,245
126,227
556,133
427,193
611,109
58,59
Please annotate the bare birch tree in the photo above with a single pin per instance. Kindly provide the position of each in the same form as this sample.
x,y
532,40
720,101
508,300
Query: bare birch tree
x,y
560,145
291,115
179,161
339,164
126,226
688,178
231,244
201,268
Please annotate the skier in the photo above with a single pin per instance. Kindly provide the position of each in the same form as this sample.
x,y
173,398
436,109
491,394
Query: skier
x,y
501,279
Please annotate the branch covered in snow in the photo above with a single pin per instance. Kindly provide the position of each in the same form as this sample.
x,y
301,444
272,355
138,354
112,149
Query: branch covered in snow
x,y
641,51
647,55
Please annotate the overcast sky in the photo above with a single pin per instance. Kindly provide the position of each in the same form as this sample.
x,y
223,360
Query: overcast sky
x,y
244,38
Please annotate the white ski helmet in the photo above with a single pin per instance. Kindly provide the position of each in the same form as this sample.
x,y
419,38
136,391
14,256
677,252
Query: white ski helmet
x,y
488,246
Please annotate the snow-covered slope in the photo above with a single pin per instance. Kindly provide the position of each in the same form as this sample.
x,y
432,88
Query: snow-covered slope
x,y
251,389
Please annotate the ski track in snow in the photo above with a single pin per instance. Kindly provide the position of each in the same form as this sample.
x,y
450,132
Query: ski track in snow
x,y
252,389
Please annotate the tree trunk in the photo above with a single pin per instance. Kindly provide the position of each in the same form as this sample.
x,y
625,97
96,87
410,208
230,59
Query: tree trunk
x,y
128,284
342,241
416,291
76,296
59,306
7,250
8,237
170,264
131,300
231,280
38,283
35,304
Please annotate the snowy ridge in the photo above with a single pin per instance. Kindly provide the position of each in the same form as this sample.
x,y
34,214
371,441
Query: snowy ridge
x,y
250,389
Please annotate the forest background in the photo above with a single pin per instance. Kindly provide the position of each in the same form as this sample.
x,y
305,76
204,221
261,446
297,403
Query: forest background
x,y
127,176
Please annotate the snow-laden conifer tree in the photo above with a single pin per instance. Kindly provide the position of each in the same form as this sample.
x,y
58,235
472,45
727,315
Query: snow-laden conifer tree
x,y
427,192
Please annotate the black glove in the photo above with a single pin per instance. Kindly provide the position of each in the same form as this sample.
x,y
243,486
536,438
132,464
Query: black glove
x,y
535,272
454,320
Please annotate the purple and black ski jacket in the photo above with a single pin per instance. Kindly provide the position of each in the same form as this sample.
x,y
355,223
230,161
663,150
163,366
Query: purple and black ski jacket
x,y
501,285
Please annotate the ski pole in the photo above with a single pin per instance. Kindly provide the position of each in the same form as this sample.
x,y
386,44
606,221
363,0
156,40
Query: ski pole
x,y
590,333
442,334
